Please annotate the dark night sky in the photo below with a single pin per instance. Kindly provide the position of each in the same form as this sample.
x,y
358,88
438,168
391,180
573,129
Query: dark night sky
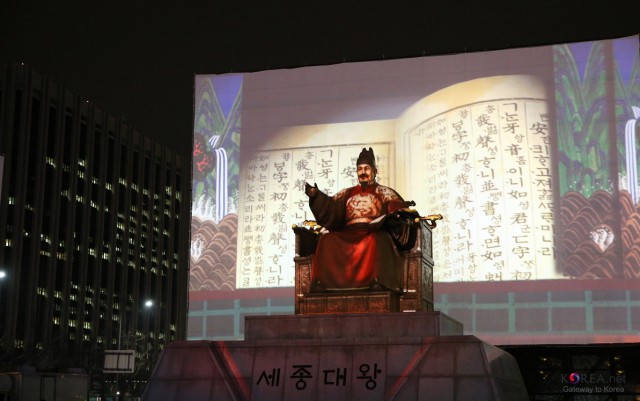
x,y
139,58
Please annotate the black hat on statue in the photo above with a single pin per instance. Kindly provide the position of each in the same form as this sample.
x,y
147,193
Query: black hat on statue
x,y
366,157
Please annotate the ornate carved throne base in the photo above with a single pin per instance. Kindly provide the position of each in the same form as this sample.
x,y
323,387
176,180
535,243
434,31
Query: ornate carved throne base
x,y
346,302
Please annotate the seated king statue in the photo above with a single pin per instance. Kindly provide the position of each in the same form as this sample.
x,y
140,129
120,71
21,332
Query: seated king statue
x,y
369,225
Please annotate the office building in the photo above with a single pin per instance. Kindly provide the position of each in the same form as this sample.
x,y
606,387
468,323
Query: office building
x,y
94,228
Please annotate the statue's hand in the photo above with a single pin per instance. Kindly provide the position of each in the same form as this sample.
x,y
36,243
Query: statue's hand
x,y
311,191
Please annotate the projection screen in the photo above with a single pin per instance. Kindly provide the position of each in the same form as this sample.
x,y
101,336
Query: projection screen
x,y
529,154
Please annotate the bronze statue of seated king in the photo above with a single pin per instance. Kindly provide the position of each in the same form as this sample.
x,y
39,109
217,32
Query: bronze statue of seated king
x,y
365,252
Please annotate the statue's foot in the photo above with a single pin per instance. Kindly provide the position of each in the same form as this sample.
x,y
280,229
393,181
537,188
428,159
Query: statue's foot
x,y
317,287
376,286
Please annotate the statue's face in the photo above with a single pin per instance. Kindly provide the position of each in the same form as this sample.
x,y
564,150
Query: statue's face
x,y
366,173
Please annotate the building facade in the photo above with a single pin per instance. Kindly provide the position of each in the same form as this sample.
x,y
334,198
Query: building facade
x,y
94,229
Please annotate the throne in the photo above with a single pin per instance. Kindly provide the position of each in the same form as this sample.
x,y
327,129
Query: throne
x,y
417,278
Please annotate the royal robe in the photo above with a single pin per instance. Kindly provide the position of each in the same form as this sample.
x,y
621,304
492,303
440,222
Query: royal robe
x,y
366,228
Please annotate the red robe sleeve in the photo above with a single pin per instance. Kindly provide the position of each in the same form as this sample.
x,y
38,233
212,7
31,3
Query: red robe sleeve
x,y
330,212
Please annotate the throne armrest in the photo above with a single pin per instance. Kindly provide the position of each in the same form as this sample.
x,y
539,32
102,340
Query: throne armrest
x,y
306,240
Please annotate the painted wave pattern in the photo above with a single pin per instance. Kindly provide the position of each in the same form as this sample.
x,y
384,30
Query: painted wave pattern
x,y
594,248
213,254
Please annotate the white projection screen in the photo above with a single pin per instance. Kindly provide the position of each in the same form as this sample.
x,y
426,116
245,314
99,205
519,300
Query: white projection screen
x,y
531,156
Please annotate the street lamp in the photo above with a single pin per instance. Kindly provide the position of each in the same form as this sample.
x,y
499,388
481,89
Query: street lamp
x,y
3,275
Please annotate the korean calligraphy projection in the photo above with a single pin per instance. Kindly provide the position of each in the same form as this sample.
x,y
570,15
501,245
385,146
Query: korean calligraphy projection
x,y
462,150
530,154
477,152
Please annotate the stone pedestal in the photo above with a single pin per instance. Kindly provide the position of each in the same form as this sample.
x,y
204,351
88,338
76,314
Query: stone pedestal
x,y
395,356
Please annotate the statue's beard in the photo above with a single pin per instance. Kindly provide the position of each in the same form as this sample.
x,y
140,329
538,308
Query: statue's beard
x,y
365,184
